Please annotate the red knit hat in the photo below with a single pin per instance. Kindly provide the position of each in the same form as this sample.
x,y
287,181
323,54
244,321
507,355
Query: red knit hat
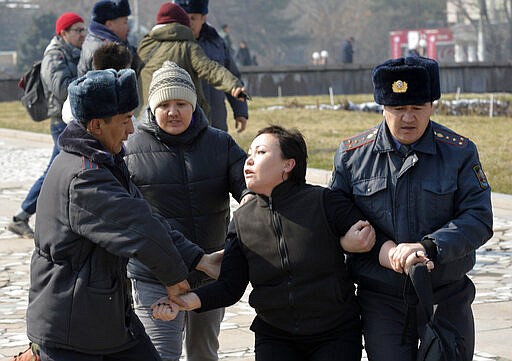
x,y
172,13
66,20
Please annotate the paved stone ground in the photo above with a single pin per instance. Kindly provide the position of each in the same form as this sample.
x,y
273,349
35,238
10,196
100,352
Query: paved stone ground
x,y
23,158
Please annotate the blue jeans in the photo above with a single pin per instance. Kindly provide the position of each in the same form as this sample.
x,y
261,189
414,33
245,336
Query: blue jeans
x,y
201,330
30,202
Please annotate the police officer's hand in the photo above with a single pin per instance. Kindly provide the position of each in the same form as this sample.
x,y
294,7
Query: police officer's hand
x,y
404,255
359,238
418,257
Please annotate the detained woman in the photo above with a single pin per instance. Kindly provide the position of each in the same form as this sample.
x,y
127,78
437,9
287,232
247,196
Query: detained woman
x,y
286,242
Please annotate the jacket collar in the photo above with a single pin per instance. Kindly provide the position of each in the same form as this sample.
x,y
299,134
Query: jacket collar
x,y
101,31
198,125
75,139
58,43
208,33
279,193
384,141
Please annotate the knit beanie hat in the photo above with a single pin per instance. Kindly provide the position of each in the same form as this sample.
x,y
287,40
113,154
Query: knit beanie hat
x,y
193,6
103,93
66,20
110,9
172,13
171,82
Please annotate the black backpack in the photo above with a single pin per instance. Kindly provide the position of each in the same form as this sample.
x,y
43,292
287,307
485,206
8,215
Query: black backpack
x,y
33,98
441,341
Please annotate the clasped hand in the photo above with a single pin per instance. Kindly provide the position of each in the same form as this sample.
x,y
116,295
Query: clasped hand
x,y
403,256
359,238
166,310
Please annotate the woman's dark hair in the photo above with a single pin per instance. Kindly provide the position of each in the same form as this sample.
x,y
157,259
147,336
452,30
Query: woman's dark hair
x,y
293,146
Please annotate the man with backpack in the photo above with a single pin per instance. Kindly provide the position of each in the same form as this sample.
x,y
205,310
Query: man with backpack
x,y
58,70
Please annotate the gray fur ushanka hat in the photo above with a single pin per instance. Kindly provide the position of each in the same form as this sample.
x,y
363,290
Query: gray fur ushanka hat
x,y
103,93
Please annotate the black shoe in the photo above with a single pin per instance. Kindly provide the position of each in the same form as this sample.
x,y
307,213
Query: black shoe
x,y
20,228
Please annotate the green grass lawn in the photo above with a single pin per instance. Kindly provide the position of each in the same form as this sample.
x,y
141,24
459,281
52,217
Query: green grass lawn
x,y
324,129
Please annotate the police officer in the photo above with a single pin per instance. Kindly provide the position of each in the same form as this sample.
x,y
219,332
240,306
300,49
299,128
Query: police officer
x,y
423,185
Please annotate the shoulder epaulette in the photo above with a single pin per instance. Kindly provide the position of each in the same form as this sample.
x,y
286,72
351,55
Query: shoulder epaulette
x,y
450,138
360,139
89,164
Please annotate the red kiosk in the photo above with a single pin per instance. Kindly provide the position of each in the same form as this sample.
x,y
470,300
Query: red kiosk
x,y
433,43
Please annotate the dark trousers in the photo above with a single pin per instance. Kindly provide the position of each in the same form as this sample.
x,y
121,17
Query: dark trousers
x,y
334,346
142,351
384,317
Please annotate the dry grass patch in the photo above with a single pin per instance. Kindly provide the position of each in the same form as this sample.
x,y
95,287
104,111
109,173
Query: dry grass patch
x,y
324,129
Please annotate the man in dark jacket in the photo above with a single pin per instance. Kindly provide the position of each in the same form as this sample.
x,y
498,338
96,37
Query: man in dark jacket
x,y
58,69
109,23
91,219
216,49
423,185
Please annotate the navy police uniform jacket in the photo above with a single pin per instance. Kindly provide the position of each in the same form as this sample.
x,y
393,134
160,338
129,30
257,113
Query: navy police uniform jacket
x,y
438,194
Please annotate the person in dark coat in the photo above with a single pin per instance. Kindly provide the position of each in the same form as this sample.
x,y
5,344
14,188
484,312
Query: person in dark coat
x,y
286,242
186,170
347,51
243,56
216,49
90,219
423,185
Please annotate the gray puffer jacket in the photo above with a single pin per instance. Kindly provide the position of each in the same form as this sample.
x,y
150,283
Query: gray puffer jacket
x,y
58,70
90,220
187,178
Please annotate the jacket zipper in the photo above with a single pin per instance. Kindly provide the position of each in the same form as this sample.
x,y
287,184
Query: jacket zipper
x,y
283,250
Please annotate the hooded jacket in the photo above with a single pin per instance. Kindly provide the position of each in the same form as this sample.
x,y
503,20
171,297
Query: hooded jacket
x,y
58,70
90,220
187,178
175,42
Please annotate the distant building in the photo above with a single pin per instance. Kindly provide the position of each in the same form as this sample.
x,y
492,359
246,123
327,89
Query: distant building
x,y
480,36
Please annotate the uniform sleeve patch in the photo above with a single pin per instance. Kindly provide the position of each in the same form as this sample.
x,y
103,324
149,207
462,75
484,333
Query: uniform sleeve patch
x,y
480,176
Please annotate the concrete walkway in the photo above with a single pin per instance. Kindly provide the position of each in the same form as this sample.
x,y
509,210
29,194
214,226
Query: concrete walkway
x,y
23,157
